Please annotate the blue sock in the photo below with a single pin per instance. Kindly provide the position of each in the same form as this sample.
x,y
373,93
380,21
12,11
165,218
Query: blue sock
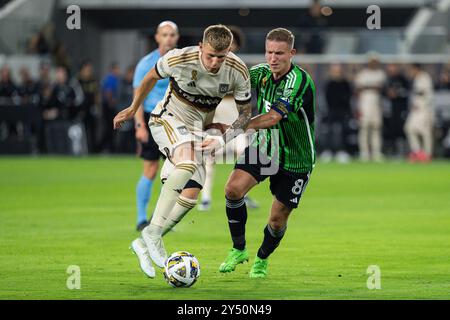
x,y
143,192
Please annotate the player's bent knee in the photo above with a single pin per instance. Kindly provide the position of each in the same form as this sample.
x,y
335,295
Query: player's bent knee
x,y
233,191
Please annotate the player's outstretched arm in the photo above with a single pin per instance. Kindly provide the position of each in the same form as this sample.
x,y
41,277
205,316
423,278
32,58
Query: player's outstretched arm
x,y
278,110
239,126
264,121
144,89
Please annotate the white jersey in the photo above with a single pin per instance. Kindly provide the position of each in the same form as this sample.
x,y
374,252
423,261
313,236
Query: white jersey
x,y
194,93
366,80
422,93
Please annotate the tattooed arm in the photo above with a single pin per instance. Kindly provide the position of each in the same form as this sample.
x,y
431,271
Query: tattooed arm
x,y
241,123
238,127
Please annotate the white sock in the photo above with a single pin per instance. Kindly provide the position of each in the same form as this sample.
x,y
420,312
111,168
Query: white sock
x,y
207,187
170,192
181,208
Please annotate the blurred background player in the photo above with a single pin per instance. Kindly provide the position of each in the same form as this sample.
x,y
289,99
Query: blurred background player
x,y
397,92
226,113
110,94
369,83
338,94
167,37
419,124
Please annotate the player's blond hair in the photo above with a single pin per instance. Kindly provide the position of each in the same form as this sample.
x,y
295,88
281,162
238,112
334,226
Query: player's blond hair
x,y
218,36
283,35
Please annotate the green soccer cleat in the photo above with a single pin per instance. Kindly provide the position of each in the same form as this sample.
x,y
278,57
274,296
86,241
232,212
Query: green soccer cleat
x,y
259,268
234,258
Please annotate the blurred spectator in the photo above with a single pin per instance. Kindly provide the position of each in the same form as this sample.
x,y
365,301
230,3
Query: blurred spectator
x,y
125,141
87,109
126,89
369,83
338,93
28,89
397,92
8,97
8,90
110,96
419,124
61,57
44,84
44,79
62,98
38,44
238,38
444,79
314,24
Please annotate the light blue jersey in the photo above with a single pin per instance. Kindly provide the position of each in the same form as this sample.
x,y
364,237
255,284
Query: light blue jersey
x,y
158,91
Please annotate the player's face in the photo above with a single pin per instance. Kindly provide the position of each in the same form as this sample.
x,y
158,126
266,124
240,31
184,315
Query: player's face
x,y
278,56
212,59
167,38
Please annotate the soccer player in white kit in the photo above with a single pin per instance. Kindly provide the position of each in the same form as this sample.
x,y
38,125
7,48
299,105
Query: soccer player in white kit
x,y
226,114
419,124
200,76
369,82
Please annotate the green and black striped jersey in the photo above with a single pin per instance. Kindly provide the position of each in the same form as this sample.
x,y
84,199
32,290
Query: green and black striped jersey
x,y
295,148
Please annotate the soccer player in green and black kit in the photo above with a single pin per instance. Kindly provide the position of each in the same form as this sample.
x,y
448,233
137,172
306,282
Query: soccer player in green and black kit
x,y
286,103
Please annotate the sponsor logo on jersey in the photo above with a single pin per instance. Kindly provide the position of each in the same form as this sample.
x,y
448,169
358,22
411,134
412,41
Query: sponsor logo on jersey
x,y
294,200
192,84
199,101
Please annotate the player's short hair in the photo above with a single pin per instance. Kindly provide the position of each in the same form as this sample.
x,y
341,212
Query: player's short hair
x,y
218,36
282,35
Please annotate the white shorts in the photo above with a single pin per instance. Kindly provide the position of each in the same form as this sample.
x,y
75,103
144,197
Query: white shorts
x,y
169,132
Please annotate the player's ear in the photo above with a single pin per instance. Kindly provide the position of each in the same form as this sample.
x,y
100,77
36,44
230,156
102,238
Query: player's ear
x,y
200,45
293,51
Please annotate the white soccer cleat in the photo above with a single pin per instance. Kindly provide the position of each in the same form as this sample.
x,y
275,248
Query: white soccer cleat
x,y
156,249
140,250
204,206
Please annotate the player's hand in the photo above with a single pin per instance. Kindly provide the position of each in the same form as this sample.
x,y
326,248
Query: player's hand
x,y
122,116
216,127
212,144
141,135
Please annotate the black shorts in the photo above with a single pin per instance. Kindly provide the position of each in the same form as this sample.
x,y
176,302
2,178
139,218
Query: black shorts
x,y
150,150
286,186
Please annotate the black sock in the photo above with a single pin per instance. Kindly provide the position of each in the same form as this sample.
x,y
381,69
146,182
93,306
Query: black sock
x,y
237,218
271,241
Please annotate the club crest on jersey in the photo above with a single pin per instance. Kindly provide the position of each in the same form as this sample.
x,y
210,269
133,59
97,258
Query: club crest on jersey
x,y
183,130
223,87
264,81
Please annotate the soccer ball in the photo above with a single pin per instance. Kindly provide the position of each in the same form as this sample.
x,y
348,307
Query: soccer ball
x,y
181,269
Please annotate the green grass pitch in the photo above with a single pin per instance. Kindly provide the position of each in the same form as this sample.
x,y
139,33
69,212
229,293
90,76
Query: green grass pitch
x,y
57,212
